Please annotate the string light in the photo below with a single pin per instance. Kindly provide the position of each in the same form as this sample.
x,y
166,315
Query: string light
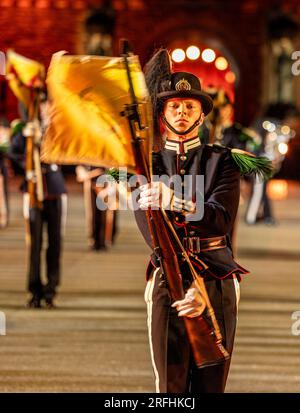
x,y
277,189
285,129
230,77
221,63
193,52
178,55
208,55
283,148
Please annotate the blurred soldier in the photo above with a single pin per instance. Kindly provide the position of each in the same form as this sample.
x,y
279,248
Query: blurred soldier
x,y
275,135
49,208
101,225
225,131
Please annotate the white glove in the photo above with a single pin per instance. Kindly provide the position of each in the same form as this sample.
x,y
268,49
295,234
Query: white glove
x,y
192,305
155,195
181,205
81,173
33,129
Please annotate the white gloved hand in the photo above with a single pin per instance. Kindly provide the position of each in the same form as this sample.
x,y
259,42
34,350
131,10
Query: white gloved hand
x,y
81,173
33,129
192,305
181,205
155,195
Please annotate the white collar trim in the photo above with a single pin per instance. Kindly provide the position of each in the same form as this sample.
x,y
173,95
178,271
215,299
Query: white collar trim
x,y
182,147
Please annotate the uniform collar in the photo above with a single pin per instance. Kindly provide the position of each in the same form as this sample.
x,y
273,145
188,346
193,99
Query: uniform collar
x,y
184,146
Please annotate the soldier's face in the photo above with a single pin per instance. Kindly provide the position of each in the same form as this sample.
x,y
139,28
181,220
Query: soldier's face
x,y
226,113
182,113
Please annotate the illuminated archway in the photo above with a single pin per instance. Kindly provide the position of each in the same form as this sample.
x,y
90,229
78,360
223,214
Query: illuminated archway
x,y
215,69
210,34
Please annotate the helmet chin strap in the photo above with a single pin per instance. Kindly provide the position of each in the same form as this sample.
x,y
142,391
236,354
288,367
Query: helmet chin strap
x,y
197,123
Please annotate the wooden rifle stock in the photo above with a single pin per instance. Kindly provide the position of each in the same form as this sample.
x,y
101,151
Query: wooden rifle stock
x,y
32,163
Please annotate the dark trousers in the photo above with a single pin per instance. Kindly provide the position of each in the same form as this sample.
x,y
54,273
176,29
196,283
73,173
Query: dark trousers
x,y
173,365
267,209
50,216
99,224
259,206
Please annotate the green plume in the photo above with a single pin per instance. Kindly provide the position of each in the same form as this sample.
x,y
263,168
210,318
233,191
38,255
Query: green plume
x,y
117,176
250,164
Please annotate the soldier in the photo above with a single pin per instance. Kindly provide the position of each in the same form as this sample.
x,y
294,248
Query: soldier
x,y
50,209
225,131
101,225
180,107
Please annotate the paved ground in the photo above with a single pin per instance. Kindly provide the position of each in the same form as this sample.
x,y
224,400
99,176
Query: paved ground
x,y
97,340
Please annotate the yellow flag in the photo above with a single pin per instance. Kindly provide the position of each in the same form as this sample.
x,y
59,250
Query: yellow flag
x,y
24,75
88,95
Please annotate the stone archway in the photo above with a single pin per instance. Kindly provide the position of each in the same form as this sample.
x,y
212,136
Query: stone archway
x,y
222,38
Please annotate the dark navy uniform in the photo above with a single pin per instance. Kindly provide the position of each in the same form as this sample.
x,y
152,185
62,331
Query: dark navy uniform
x,y
102,231
235,136
170,351
52,214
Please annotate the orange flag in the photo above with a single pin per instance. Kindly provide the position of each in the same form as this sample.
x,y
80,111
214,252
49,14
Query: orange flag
x,y
24,75
88,95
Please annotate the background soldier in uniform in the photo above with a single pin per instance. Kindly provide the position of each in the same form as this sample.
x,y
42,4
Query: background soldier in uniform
x,y
51,211
101,225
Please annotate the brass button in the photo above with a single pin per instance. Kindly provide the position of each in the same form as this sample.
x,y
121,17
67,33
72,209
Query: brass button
x,y
182,171
183,158
176,218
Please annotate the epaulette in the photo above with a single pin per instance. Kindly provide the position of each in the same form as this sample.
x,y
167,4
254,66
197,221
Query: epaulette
x,y
218,148
250,164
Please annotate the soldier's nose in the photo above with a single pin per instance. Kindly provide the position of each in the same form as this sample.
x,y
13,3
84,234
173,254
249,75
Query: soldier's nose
x,y
181,109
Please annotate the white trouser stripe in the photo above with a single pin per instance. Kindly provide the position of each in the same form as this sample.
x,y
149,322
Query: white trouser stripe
x,y
64,212
255,201
237,289
148,298
237,294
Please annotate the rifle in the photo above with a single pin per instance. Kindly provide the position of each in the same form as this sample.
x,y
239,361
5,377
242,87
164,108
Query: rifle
x,y
33,173
205,338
